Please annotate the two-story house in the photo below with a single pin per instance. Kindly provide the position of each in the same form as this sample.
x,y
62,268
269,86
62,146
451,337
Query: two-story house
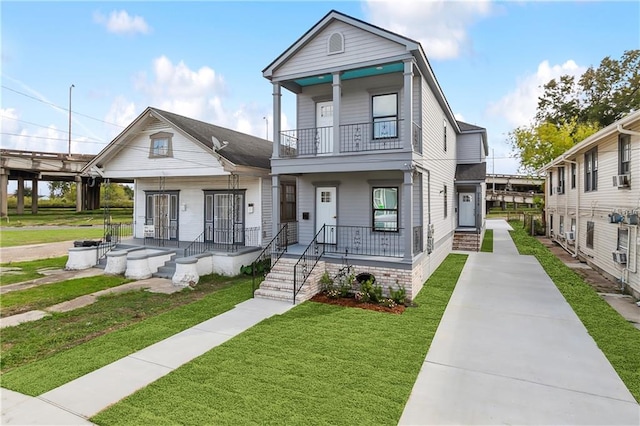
x,y
384,172
593,200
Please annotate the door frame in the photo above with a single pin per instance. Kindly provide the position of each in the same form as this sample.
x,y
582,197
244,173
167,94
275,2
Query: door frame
x,y
239,222
172,214
324,133
331,228
473,203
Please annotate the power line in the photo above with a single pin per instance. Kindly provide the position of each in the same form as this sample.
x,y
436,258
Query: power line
x,y
49,128
59,107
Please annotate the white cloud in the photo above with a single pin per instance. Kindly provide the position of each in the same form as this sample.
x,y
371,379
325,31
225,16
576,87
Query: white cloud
x,y
120,22
518,107
200,94
439,25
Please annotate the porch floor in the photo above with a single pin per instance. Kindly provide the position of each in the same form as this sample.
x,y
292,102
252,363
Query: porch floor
x,y
180,246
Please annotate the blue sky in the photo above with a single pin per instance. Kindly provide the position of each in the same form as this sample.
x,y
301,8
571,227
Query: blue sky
x,y
205,59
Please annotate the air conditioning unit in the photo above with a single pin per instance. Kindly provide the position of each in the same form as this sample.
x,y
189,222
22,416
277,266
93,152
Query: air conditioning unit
x,y
557,190
621,181
619,257
570,235
615,217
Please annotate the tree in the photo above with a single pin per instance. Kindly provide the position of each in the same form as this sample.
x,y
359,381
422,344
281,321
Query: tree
x,y
59,189
601,95
538,144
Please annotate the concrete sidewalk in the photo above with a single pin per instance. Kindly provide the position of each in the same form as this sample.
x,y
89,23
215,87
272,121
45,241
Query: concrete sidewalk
x,y
510,350
74,402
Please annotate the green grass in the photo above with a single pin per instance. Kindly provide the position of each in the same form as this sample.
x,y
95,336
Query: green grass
x,y
65,216
42,355
616,337
29,270
50,294
20,237
316,364
487,242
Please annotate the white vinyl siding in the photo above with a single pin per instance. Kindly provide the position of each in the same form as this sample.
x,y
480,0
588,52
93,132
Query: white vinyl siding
x,y
470,148
313,56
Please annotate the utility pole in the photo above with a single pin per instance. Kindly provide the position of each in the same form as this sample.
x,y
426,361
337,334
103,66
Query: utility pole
x,y
71,87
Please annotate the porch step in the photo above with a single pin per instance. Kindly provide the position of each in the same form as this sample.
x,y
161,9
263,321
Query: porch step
x,y
279,283
466,241
167,270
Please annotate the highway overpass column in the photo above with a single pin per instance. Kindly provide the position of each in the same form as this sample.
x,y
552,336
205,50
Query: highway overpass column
x,y
78,193
20,196
34,196
4,182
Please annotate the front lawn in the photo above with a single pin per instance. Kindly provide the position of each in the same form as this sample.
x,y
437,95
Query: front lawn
x,y
315,364
42,355
43,296
29,270
615,336
19,237
487,242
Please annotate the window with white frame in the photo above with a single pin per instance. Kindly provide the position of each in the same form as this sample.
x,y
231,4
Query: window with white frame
x,y
385,116
591,170
560,180
550,183
561,225
623,239
385,209
161,145
624,154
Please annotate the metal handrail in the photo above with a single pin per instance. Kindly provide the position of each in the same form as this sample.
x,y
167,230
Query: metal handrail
x,y
191,248
113,233
269,255
307,262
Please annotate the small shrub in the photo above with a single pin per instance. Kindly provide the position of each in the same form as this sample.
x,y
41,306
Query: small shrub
x,y
389,303
399,295
345,289
362,296
326,282
376,294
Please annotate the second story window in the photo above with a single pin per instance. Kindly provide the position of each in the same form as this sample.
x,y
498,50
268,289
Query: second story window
x,y
591,170
560,180
573,175
550,183
624,154
161,145
385,116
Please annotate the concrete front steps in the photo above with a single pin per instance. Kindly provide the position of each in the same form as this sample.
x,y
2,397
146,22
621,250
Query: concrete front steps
x,y
278,285
466,241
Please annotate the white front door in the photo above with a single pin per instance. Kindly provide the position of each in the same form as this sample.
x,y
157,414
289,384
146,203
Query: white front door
x,y
466,209
326,213
324,127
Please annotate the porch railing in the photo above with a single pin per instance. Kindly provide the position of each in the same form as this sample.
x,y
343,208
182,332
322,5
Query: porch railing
x,y
369,136
269,257
113,234
292,232
363,240
224,240
308,261
162,236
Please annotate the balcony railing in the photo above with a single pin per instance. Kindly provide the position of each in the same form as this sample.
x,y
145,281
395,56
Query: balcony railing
x,y
378,136
363,240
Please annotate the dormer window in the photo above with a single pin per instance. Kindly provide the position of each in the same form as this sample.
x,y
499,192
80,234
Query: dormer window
x,y
161,145
335,44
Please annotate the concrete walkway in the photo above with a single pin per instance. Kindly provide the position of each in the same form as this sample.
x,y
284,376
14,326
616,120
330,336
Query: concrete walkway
x,y
510,350
74,402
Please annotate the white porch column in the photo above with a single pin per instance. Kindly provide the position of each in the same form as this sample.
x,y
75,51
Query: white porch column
x,y
78,193
20,196
407,213
277,117
407,103
337,95
275,201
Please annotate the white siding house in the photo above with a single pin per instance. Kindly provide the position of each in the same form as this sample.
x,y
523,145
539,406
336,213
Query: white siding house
x,y
195,184
593,200
375,155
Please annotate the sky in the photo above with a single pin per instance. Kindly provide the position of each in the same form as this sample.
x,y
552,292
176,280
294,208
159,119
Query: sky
x,y
204,60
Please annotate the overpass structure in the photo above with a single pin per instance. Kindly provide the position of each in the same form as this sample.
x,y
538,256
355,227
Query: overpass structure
x,y
513,189
45,166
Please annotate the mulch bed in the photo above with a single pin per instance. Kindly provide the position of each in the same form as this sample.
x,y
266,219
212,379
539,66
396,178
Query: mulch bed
x,y
353,303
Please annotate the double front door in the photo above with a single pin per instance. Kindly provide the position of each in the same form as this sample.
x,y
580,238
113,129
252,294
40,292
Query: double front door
x,y
224,217
161,215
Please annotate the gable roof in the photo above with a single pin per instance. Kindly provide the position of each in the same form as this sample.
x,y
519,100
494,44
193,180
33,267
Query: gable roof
x,y
235,147
412,46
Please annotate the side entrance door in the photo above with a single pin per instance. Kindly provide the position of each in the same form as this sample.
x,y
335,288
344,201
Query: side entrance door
x,y
324,127
326,213
466,209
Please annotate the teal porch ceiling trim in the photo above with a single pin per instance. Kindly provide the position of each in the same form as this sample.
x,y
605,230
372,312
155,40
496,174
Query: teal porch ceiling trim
x,y
351,74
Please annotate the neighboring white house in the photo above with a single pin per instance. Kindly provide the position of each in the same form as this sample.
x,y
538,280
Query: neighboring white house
x,y
593,200
193,181
385,173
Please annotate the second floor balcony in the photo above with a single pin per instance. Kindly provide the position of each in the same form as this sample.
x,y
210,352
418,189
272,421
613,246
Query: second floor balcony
x,y
359,137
